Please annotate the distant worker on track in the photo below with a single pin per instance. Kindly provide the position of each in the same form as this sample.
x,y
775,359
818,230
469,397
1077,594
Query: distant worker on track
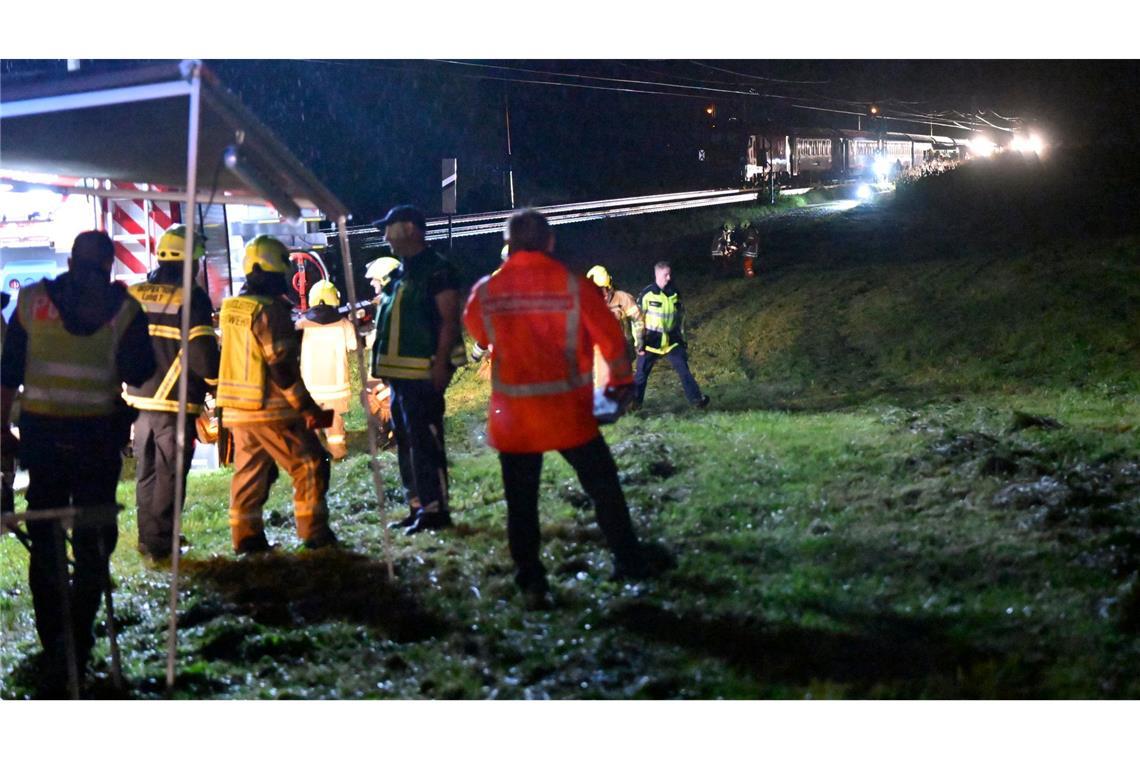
x,y
624,308
267,407
327,339
665,336
750,245
725,247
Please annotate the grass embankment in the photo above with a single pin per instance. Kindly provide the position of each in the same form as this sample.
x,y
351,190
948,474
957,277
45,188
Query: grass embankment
x,y
920,477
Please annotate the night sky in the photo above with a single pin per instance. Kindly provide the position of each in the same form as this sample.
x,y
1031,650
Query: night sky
x,y
375,130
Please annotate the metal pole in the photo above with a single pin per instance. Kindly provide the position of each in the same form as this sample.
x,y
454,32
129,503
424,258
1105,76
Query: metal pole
x,y
64,586
112,631
510,161
373,454
183,378
449,235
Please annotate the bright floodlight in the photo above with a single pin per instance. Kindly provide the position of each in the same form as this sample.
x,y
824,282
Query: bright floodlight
x,y
1027,144
882,167
863,192
982,146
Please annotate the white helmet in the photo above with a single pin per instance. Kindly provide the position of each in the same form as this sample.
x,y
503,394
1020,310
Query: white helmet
x,y
381,269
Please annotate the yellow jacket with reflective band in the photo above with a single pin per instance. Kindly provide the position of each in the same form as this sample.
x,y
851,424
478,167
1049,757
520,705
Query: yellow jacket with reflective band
x,y
662,311
69,375
251,341
162,303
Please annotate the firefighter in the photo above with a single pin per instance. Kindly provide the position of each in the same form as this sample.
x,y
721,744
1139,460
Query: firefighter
x,y
378,396
328,337
156,445
72,342
724,246
624,308
379,272
417,347
665,336
544,322
266,406
750,244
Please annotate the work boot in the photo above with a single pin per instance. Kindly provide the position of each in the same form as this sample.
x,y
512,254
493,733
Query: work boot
x,y
253,545
536,594
704,402
323,539
429,521
407,522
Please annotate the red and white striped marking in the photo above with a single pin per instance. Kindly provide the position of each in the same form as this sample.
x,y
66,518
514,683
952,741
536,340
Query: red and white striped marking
x,y
135,239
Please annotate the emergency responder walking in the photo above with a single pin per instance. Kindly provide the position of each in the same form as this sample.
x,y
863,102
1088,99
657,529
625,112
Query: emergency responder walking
x,y
544,322
665,336
418,345
267,407
624,308
328,337
72,342
156,444
750,244
725,247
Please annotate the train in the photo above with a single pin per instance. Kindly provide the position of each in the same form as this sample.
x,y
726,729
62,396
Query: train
x,y
812,155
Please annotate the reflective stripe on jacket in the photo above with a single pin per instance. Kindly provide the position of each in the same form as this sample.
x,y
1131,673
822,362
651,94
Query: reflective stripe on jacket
x,y
324,362
257,331
162,303
69,375
662,310
408,321
543,322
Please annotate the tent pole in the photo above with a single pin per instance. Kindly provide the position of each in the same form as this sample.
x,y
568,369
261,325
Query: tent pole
x,y
184,352
373,458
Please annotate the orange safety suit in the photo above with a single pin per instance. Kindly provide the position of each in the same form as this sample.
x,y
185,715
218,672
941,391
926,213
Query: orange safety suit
x,y
543,322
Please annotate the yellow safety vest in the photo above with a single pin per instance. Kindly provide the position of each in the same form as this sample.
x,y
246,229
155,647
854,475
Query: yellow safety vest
x,y
242,373
69,375
660,312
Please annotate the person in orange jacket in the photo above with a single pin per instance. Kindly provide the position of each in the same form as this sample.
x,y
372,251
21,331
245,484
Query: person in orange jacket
x,y
544,322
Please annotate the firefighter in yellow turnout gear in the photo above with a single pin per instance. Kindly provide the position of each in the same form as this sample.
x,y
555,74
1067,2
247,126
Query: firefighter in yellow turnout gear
x,y
624,308
267,407
156,445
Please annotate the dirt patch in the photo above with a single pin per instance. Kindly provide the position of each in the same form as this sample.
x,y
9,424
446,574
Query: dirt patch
x,y
297,589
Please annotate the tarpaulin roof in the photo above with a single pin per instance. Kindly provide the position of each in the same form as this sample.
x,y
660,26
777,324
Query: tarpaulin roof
x,y
132,126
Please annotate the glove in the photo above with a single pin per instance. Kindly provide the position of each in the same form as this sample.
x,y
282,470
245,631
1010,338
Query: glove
x,y
622,395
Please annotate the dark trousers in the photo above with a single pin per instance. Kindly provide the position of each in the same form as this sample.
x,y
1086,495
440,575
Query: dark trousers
x,y
598,475
680,361
69,466
156,448
417,420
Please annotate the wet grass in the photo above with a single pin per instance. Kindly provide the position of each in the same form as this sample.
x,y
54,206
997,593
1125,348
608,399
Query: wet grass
x,y
920,478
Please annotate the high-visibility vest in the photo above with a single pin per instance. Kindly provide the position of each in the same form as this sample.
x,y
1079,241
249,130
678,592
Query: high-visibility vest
x,y
406,330
660,312
163,305
242,373
69,375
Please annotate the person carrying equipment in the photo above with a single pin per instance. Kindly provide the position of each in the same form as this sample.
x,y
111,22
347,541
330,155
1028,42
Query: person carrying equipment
x,y
328,337
156,439
266,406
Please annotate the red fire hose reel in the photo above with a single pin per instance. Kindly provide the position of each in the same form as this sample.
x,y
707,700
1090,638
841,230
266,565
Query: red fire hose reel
x,y
303,279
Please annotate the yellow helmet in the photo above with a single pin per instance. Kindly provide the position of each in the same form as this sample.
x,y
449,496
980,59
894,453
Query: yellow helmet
x,y
381,269
324,292
172,244
267,252
600,276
